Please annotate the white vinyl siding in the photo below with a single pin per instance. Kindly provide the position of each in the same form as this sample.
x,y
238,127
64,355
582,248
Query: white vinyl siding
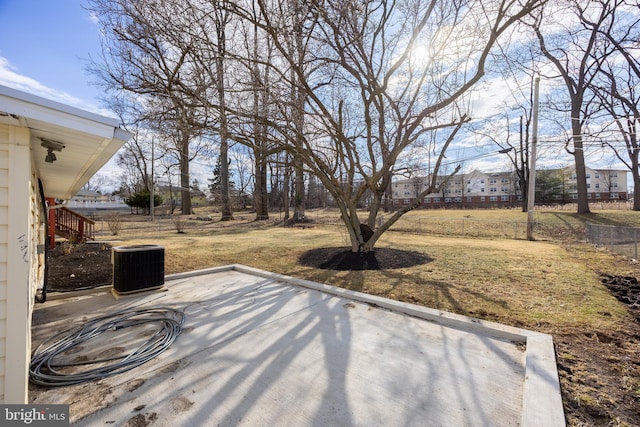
x,y
4,270
92,140
18,249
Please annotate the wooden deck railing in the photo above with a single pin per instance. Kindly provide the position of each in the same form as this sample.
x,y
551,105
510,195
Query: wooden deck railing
x,y
73,226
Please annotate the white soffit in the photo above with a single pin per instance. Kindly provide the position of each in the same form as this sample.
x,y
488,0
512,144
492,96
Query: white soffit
x,y
89,139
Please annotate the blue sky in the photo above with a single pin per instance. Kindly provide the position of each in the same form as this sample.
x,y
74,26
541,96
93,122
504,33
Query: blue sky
x,y
45,46
44,49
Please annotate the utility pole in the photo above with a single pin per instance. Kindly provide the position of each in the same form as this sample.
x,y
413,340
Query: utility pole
x,y
531,194
152,196
522,172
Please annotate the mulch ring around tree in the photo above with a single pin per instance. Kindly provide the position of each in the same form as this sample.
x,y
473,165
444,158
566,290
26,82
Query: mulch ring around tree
x,y
343,259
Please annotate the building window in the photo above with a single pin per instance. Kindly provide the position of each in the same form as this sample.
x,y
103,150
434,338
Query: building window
x,y
447,199
505,198
436,200
482,181
588,176
597,185
493,190
597,195
458,199
588,186
469,199
493,198
493,181
504,180
468,191
504,189
407,201
482,190
615,196
615,185
482,198
597,176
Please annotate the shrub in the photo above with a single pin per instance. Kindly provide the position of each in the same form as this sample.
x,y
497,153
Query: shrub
x,y
179,222
115,223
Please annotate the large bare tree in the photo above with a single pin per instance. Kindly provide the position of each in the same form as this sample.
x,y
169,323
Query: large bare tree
x,y
621,100
256,111
617,88
211,56
148,52
569,34
378,77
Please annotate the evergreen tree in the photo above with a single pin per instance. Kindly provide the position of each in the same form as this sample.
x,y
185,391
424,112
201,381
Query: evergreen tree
x,y
215,183
140,201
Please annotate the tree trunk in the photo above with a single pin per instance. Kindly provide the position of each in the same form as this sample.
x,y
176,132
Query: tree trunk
x,y
363,237
299,98
299,198
636,182
523,182
227,215
286,187
581,172
261,200
185,185
523,170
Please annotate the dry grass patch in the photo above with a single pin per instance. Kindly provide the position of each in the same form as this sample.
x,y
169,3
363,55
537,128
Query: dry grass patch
x,y
271,248
515,282
511,281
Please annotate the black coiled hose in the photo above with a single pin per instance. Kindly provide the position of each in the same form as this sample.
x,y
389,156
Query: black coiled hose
x,y
45,371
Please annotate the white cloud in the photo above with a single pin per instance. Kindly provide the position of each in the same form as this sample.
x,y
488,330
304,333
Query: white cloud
x,y
10,77
93,17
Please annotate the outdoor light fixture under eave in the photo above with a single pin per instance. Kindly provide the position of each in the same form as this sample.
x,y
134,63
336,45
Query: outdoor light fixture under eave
x,y
50,157
51,146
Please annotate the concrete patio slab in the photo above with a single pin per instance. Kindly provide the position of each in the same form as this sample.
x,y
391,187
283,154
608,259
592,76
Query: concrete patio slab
x,y
263,349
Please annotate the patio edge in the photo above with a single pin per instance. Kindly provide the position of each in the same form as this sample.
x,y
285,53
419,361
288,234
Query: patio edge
x,y
542,400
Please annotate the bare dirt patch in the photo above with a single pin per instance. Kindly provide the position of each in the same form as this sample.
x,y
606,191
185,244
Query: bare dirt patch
x,y
599,376
73,267
626,289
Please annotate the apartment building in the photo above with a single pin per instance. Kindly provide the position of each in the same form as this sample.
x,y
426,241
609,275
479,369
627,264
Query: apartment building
x,y
487,189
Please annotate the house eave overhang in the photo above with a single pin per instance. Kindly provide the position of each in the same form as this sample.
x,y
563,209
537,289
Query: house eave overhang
x,y
89,139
